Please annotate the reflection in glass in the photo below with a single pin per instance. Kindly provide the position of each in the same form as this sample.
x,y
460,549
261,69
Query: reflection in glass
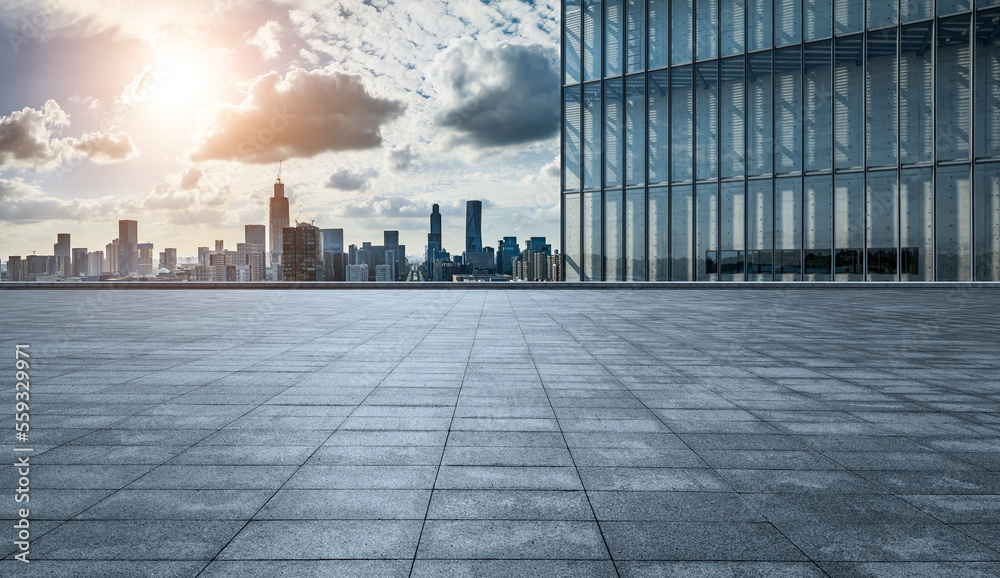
x,y
592,135
987,84
818,228
849,227
881,13
818,122
707,131
708,29
733,117
682,262
760,146
635,45
818,19
657,24
788,230
760,230
882,229
681,124
572,26
681,40
848,102
571,252
953,224
913,10
916,235
953,88
733,22
759,29
571,138
788,110
613,36
592,242
613,247
635,235
987,227
613,133
946,7
635,133
659,137
732,221
659,215
591,39
880,98
916,93
787,22
707,230
847,16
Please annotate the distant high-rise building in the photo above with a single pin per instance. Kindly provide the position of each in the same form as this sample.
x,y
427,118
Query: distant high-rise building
x,y
17,269
145,268
111,260
335,265
357,273
278,221
507,252
473,226
36,266
169,259
62,246
203,253
302,253
128,248
538,245
95,263
251,255
220,246
80,265
333,240
255,234
433,241
384,273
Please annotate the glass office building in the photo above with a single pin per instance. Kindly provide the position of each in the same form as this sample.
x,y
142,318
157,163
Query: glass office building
x,y
781,140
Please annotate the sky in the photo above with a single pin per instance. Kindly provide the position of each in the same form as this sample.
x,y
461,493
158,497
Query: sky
x,y
177,113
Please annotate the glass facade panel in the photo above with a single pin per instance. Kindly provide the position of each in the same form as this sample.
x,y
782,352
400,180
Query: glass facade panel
x,y
591,40
592,130
759,24
635,42
635,235
657,37
916,234
732,231
788,110
916,93
613,37
572,25
732,128
913,10
571,139
849,227
987,225
953,224
733,24
613,133
987,82
882,222
681,31
682,230
760,230
818,19
882,13
635,130
614,266
760,100
848,103
847,16
818,122
708,29
946,7
954,88
707,117
571,232
788,230
708,230
817,221
592,242
657,98
787,22
659,235
880,99
681,124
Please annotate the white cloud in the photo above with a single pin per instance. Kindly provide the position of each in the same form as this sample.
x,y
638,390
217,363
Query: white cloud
x,y
267,39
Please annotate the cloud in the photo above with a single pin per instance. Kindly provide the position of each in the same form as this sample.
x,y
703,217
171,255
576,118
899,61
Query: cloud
x,y
497,96
351,180
400,159
382,206
301,115
23,203
267,39
26,141
190,178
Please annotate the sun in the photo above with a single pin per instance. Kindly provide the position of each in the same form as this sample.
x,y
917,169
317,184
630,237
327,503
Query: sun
x,y
186,75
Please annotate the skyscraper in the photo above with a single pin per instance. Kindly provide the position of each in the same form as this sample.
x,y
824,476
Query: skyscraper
x,y
145,262
507,252
302,253
62,246
391,243
170,258
128,248
81,266
433,240
255,234
277,221
473,226
333,240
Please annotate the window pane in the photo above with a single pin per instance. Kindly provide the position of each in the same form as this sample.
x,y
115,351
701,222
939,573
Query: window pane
x,y
659,137
571,138
613,37
848,99
733,117
659,257
732,217
707,100
788,230
849,227
760,146
758,24
635,45
818,228
635,130
657,22
987,84
916,236
572,23
613,133
818,122
953,226
592,135
788,109
682,234
953,118
818,19
592,244
946,7
591,39
760,230
707,230
880,98
987,212
708,29
881,13
681,124
734,15
681,22
916,94
571,252
787,22
613,266
635,235
847,15
881,219
912,10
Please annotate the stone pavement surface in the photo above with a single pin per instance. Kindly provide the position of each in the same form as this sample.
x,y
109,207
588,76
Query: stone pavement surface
x,y
848,432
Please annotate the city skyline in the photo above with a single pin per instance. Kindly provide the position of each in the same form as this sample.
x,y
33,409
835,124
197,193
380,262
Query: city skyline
x,y
391,131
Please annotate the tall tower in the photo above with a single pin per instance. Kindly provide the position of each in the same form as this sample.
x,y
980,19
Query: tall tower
x,y
128,249
433,238
277,221
473,226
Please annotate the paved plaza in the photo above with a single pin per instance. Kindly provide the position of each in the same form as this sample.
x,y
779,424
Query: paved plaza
x,y
778,432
